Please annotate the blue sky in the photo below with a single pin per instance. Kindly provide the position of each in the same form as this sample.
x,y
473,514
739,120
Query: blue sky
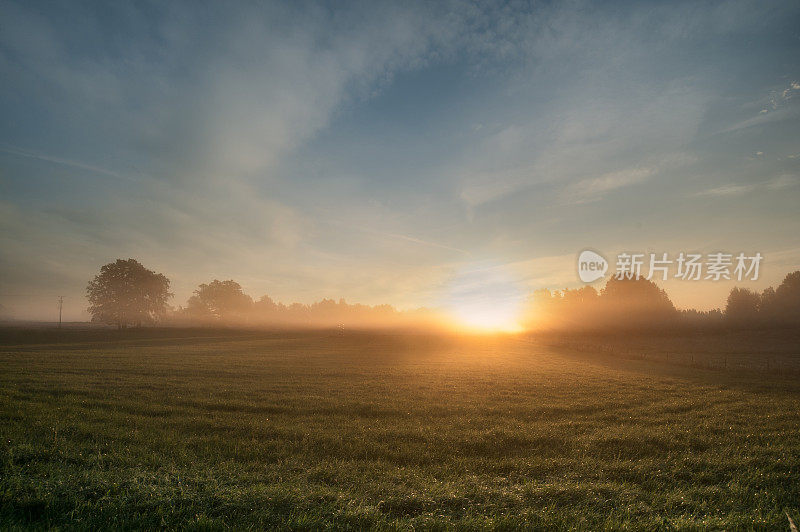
x,y
385,152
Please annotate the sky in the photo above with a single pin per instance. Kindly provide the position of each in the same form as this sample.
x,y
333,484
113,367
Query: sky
x,y
418,154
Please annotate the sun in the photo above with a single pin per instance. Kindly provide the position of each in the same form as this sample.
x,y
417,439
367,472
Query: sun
x,y
500,317
486,299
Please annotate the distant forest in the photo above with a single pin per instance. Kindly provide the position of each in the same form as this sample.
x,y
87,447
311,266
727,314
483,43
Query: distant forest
x,y
639,303
225,302
125,293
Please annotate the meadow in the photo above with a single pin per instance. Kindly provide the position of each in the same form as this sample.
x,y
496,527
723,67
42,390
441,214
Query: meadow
x,y
314,430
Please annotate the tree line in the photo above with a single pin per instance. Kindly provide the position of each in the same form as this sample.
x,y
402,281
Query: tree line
x,y
641,304
125,293
772,306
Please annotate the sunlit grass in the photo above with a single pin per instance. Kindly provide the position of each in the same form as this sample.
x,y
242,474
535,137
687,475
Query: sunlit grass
x,y
390,431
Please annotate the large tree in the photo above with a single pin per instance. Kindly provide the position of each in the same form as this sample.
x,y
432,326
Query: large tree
x,y
126,293
635,303
782,306
220,300
742,306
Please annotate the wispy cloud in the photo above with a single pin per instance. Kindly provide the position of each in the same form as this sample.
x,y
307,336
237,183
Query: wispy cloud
x,y
397,236
594,188
64,162
775,106
778,183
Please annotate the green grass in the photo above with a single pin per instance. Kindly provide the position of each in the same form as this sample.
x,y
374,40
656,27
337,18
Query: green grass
x,y
313,430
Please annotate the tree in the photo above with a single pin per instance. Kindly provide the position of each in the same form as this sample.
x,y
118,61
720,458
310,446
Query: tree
x,y
126,293
630,303
769,308
219,300
742,306
782,306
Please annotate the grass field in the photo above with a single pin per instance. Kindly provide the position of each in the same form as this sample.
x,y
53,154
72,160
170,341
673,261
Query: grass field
x,y
315,430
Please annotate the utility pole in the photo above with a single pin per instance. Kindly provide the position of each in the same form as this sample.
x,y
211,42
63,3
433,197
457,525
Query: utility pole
x,y
60,306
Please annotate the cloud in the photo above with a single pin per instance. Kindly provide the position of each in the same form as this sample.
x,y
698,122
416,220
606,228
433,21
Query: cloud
x,y
197,108
773,107
594,188
209,93
582,138
779,183
552,272
65,162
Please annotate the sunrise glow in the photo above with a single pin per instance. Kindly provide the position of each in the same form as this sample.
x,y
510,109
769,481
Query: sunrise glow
x,y
491,318
486,297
